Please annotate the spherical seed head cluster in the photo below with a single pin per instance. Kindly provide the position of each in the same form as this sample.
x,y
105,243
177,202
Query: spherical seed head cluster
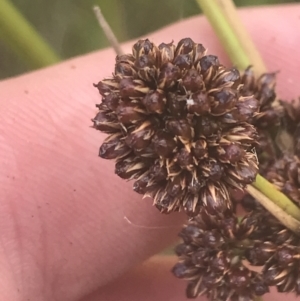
x,y
226,259
178,126
274,248
211,259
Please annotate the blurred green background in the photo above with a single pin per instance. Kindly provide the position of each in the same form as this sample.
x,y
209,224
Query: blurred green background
x,y
69,27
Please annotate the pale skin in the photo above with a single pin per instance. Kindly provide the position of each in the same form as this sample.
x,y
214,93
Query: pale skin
x,y
63,236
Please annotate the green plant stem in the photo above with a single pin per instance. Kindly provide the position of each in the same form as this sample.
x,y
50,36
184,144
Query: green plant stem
x,y
230,13
226,34
286,219
277,197
21,37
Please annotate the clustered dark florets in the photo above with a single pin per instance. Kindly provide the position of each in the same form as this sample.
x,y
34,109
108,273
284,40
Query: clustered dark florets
x,y
227,259
179,126
190,133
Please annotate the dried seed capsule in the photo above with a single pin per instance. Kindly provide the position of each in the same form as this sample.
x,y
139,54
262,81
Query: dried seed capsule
x,y
130,168
190,233
227,78
216,171
192,81
184,158
175,106
142,47
200,148
231,153
244,173
247,107
194,289
224,101
141,183
239,277
198,52
106,123
180,270
221,262
144,61
125,58
248,81
274,275
207,62
201,257
169,74
213,239
183,249
140,138
164,144
158,172
106,86
167,52
285,256
260,252
215,200
206,126
129,113
184,46
195,183
199,104
113,148
124,69
191,204
183,61
211,169
180,128
259,287
265,86
154,102
111,101
131,89
174,187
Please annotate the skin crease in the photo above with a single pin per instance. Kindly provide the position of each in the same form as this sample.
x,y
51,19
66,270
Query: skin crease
x,y
63,235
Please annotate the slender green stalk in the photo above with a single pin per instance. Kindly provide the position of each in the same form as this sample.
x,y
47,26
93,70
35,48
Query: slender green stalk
x,y
226,34
230,13
286,219
21,37
276,196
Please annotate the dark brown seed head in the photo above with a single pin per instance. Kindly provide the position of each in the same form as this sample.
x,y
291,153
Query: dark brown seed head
x,y
175,109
